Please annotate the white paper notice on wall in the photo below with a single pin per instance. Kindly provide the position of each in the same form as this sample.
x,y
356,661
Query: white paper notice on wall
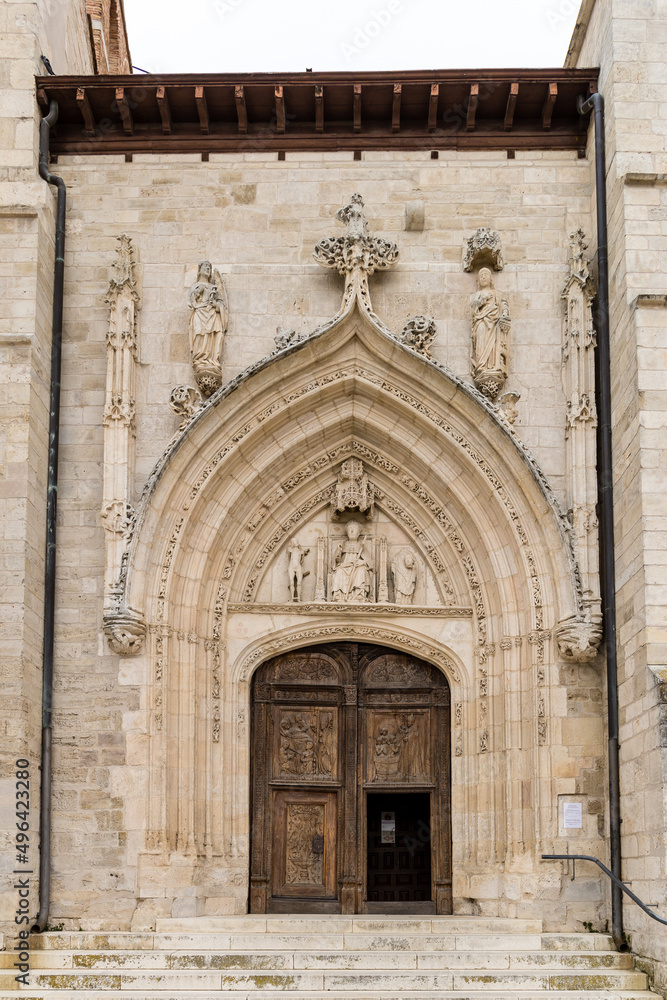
x,y
388,828
572,816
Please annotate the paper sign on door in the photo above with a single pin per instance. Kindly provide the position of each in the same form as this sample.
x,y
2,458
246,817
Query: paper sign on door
x,y
388,828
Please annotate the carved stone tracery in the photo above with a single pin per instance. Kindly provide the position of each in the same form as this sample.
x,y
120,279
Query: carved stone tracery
x,y
123,627
579,636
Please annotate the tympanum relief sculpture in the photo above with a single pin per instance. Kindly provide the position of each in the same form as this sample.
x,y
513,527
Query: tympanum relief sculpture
x,y
295,554
208,324
350,553
404,575
352,576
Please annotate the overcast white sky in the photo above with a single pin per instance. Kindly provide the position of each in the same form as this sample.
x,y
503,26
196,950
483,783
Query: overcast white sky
x,y
236,36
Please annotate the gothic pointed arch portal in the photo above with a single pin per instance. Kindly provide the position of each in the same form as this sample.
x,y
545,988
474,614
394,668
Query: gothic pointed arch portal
x,y
243,550
350,783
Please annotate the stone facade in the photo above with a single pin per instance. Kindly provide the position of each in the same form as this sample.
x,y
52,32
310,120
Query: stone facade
x,y
214,493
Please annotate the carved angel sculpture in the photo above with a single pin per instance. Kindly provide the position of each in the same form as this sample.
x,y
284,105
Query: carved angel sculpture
x,y
490,336
208,325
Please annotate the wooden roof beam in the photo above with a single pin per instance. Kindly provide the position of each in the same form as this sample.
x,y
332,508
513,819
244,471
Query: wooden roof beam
x,y
357,107
552,94
433,107
164,109
202,110
396,108
511,105
83,104
473,101
319,108
241,109
125,113
280,107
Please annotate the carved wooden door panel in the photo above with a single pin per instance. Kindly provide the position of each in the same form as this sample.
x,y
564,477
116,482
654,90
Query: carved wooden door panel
x,y
299,730
334,729
304,845
405,744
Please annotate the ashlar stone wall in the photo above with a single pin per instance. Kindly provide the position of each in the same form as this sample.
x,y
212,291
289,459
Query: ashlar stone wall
x,y
627,39
257,219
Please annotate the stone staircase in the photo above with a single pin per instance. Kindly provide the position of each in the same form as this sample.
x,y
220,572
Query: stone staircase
x,y
344,958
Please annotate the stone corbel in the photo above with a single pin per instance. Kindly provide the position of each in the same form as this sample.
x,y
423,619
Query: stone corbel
x,y
125,630
579,636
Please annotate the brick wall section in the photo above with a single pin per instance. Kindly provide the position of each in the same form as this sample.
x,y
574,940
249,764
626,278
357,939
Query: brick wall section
x,y
628,39
107,25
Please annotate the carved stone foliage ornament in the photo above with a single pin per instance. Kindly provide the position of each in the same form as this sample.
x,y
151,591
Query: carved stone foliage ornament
x,y
483,248
507,406
357,250
208,324
286,338
419,333
185,401
490,336
118,517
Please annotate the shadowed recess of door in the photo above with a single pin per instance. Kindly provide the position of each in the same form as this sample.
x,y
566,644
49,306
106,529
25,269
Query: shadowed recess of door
x,y
399,848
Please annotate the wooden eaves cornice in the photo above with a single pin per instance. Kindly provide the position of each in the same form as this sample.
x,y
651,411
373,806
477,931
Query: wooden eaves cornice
x,y
507,109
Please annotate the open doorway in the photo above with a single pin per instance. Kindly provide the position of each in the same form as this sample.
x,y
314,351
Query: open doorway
x,y
399,852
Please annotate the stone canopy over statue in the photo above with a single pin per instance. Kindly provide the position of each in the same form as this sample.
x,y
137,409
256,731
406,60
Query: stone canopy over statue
x,y
208,324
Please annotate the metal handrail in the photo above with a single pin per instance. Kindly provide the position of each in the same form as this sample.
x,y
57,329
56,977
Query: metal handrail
x,y
621,885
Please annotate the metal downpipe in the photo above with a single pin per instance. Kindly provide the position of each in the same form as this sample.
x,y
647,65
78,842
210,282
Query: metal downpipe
x,y
51,510
595,103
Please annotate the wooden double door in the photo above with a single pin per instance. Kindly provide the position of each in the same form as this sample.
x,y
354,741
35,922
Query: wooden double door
x,y
351,784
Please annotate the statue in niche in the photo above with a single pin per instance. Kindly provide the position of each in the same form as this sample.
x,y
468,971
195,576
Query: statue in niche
x,y
352,577
490,336
404,575
208,325
295,555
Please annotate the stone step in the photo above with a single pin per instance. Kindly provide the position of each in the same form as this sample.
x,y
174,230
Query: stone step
x,y
483,994
336,924
394,981
277,961
400,941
